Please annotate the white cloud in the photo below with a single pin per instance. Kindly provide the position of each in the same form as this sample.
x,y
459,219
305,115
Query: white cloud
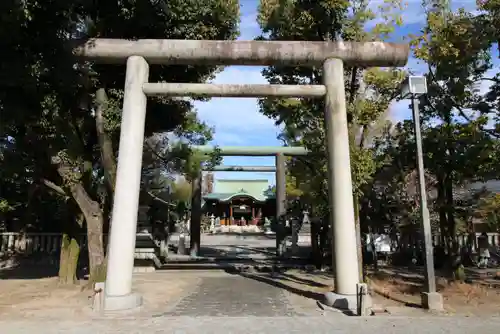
x,y
236,115
226,138
249,28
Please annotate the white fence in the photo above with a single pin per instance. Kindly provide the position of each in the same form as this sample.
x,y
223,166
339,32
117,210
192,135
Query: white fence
x,y
50,243
408,241
493,239
33,243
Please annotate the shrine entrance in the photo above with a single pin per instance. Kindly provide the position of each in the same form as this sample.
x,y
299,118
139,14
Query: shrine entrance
x,y
139,54
242,208
233,209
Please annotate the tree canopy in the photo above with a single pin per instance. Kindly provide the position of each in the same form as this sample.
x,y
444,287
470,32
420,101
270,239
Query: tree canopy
x,y
61,116
459,113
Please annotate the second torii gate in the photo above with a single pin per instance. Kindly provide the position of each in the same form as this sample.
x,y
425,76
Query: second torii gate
x,y
280,152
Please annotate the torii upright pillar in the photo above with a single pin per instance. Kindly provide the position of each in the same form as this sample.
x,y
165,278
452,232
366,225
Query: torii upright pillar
x,y
195,221
280,202
280,185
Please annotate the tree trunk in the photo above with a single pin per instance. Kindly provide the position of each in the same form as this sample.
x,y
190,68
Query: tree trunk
x,y
109,165
70,248
450,212
94,221
68,262
316,253
324,234
105,143
359,246
443,222
95,244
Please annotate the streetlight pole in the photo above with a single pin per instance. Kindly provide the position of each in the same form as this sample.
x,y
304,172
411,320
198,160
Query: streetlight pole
x,y
414,87
430,277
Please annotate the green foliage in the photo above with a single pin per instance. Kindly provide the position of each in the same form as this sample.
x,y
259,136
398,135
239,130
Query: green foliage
x,y
369,92
47,99
459,114
459,128
488,209
55,137
4,206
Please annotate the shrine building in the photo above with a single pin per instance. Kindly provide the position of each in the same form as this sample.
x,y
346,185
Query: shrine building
x,y
232,200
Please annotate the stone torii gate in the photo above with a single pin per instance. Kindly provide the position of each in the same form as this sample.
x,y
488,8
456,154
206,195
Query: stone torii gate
x,y
280,152
139,54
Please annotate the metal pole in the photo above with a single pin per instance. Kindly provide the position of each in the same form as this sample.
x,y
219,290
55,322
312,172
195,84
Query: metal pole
x,y
430,278
340,181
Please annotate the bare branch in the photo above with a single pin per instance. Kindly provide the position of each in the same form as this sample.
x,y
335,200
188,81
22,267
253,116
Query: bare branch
x,y
461,112
54,187
158,199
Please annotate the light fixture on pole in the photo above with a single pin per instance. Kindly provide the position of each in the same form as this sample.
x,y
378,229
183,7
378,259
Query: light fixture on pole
x,y
412,88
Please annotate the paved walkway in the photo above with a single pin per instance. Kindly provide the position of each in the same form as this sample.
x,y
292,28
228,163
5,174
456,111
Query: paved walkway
x,y
286,325
225,303
233,246
234,296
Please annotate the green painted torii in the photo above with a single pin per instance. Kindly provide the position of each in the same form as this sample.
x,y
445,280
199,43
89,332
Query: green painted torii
x,y
280,152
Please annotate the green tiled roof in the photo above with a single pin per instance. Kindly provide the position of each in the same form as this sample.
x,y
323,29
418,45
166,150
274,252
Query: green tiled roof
x,y
225,197
225,190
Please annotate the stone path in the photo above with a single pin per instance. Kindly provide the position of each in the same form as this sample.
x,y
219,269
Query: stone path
x,y
234,296
224,303
261,325
243,247
220,302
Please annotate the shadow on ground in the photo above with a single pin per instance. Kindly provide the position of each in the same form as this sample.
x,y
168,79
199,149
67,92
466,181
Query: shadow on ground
x,y
236,251
282,280
29,271
36,266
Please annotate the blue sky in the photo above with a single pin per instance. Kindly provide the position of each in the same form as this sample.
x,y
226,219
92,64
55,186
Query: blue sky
x,y
238,122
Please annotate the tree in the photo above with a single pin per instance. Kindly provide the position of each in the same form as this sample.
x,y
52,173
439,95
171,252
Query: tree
x,y
49,99
459,130
368,92
182,191
457,48
488,209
